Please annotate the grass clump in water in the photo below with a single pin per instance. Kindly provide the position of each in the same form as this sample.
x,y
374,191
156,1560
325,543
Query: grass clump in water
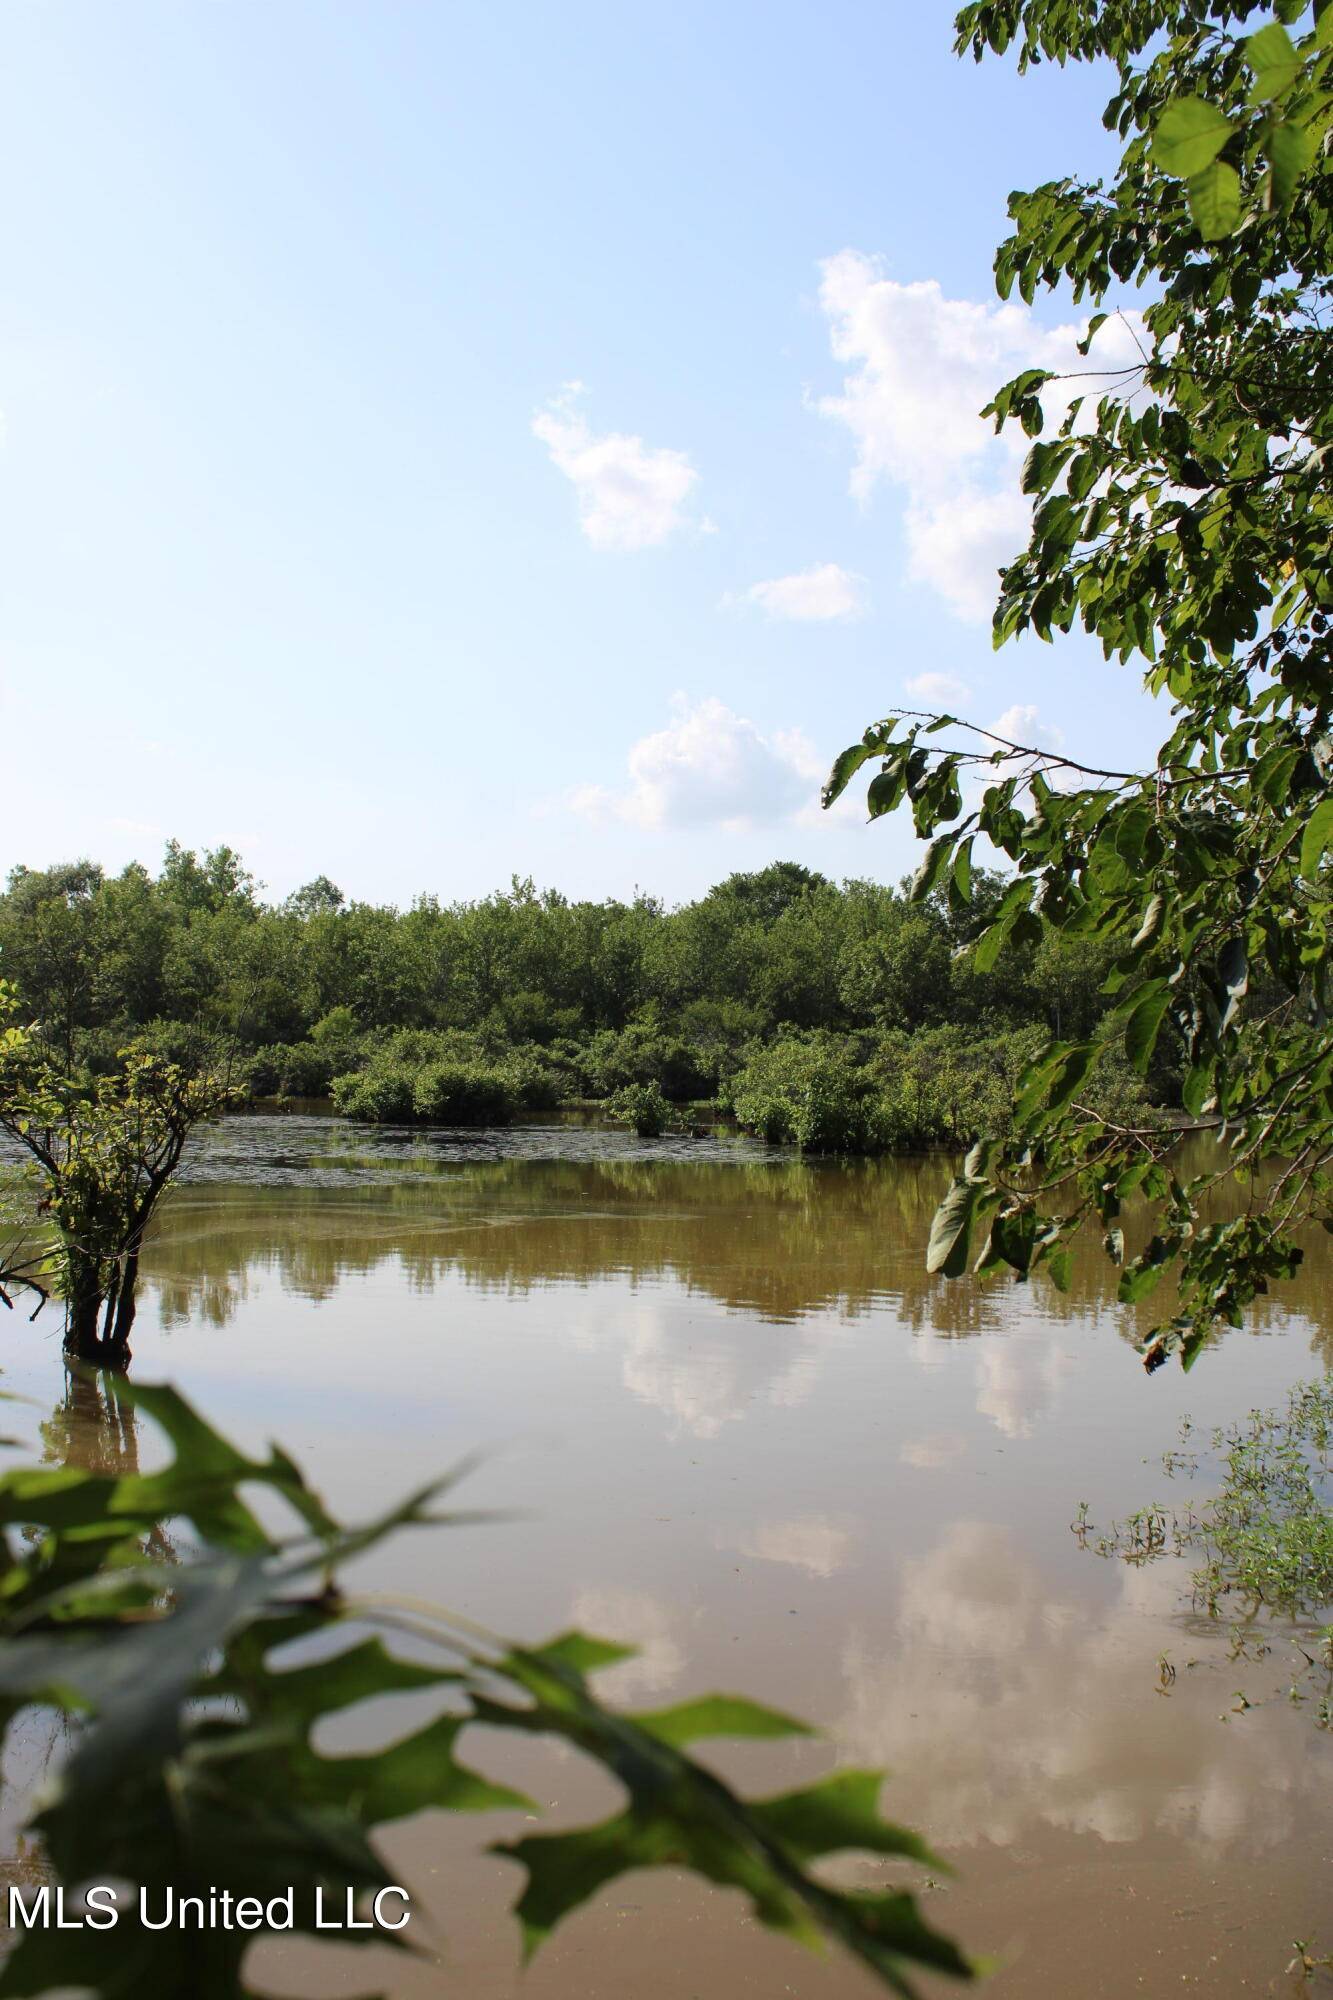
x,y
1265,1536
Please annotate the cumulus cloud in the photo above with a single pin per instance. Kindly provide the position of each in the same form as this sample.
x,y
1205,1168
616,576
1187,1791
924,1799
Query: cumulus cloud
x,y
710,767
943,690
920,367
630,495
1021,723
812,595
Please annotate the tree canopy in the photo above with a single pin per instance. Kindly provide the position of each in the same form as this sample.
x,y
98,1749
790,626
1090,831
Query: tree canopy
x,y
1181,517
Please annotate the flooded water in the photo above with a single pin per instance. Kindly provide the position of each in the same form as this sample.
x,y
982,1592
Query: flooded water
x,y
740,1427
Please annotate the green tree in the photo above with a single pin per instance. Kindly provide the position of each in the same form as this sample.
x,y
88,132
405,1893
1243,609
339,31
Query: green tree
x,y
1183,518
105,1148
47,944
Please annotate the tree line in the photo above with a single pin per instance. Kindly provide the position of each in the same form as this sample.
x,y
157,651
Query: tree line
x,y
801,1003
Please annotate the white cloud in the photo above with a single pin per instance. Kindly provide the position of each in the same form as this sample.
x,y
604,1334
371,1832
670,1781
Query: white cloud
x,y
945,689
958,546
630,496
823,592
711,767
920,369
1022,724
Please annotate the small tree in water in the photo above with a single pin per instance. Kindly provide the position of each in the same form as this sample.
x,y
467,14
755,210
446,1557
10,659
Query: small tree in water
x,y
106,1147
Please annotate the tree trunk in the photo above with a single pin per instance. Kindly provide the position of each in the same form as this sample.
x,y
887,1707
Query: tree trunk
x,y
82,1309
106,1345
118,1346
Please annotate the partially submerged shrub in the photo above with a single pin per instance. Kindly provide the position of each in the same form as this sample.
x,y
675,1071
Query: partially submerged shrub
x,y
809,1091
643,1106
453,1093
380,1093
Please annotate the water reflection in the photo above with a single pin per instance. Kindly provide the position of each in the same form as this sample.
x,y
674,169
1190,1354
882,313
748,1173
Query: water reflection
x,y
752,1438
1076,1735
93,1426
773,1237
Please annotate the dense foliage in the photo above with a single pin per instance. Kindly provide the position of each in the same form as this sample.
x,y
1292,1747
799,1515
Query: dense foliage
x,y
197,1681
1184,517
103,1146
774,983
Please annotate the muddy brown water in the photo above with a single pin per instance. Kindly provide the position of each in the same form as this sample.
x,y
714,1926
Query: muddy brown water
x,y
739,1427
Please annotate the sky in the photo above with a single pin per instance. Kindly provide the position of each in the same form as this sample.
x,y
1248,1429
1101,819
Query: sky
x,y
444,442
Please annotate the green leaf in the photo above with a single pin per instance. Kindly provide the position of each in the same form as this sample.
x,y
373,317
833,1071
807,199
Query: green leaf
x,y
1095,324
1214,198
1143,1026
951,1229
962,870
1197,1087
1274,59
845,769
1190,134
840,1815
991,943
1290,152
933,867
679,1814
1050,1084
717,1715
1316,838
584,1654
885,790
1142,1276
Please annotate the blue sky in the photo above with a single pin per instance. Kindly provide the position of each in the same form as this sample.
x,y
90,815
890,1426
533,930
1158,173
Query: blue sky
x,y
310,547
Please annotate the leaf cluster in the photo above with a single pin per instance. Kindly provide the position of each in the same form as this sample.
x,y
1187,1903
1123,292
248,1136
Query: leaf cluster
x,y
195,1690
1184,518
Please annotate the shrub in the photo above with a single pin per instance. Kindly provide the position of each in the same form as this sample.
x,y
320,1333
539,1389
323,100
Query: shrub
x,y
338,1027
381,1093
643,1106
643,1053
291,1069
539,1078
264,1072
416,1077
946,1086
453,1093
811,1091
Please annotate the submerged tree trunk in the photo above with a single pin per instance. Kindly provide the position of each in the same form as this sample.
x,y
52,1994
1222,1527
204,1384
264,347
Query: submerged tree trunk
x,y
83,1310
125,1306
97,1318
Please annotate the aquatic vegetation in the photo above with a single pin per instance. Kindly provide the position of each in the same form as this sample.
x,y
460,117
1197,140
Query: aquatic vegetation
x,y
1264,1537
642,1106
195,1678
810,1091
